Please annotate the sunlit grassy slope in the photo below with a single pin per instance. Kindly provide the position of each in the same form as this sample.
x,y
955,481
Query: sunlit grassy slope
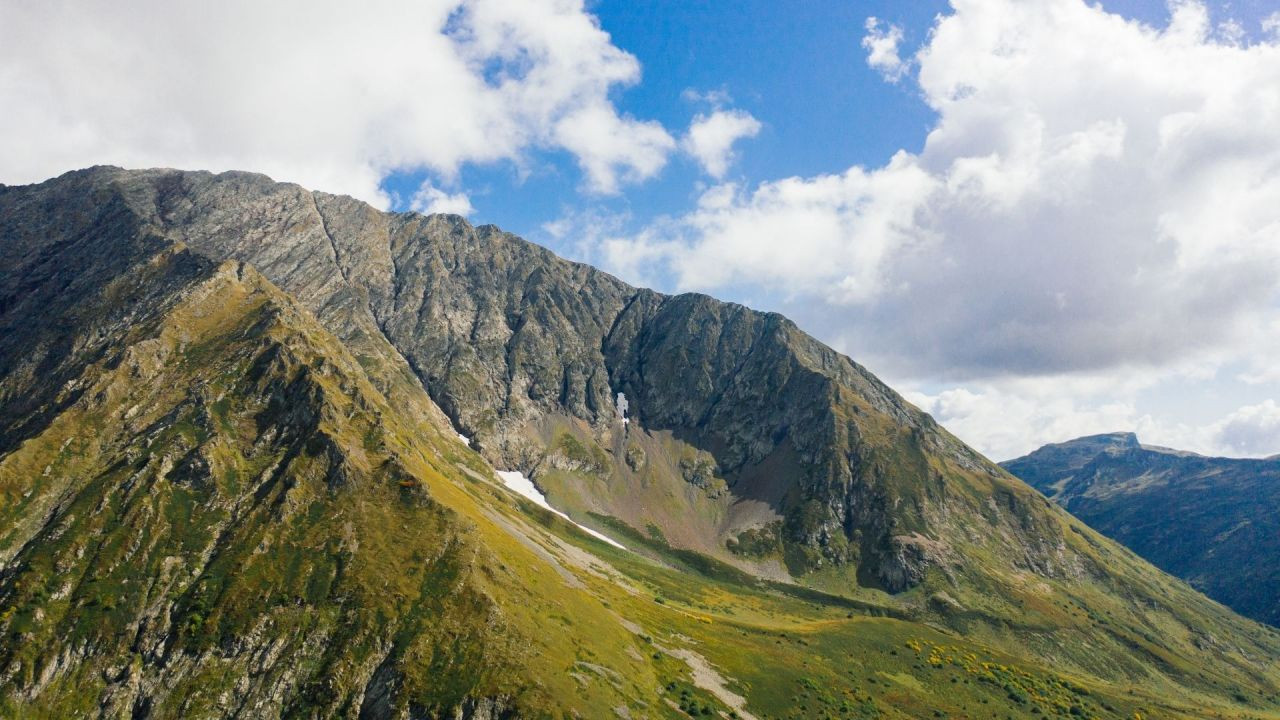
x,y
230,513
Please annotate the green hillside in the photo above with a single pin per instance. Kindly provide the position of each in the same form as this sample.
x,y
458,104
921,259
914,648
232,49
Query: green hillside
x,y
231,485
1212,521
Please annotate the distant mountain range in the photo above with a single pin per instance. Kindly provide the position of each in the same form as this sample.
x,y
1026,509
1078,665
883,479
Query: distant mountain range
x,y
250,445
1215,522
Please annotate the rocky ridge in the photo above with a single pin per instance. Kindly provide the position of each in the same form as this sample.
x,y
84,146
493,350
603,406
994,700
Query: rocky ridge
x,y
518,347
229,412
1213,521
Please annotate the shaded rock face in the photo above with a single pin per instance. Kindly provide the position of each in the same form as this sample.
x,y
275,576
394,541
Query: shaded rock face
x,y
1214,522
160,513
505,336
224,494
62,300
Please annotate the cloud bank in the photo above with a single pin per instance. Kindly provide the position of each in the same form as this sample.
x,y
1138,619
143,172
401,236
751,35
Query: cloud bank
x,y
1073,212
331,95
1070,210
1010,419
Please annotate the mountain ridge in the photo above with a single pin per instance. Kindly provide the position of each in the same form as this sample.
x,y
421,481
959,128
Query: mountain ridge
x,y
1223,539
407,290
257,485
753,453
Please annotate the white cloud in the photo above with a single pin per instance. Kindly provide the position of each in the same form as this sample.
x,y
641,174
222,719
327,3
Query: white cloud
x,y
1257,362
1271,24
430,199
613,149
1251,430
792,233
1007,422
1070,210
881,43
716,98
327,94
1008,417
711,137
1011,417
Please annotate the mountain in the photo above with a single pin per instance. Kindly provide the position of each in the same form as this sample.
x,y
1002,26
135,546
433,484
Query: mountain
x,y
1214,522
249,437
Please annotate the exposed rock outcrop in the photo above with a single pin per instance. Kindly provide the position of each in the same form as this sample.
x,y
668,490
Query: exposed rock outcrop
x,y
508,340
1215,522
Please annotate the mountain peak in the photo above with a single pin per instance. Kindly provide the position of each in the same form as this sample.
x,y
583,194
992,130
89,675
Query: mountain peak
x,y
267,385
1124,440
1225,508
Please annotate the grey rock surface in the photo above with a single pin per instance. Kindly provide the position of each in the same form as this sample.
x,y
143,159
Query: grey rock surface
x,y
506,336
1213,521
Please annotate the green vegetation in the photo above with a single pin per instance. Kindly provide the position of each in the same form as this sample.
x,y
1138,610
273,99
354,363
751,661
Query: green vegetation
x,y
213,503
584,457
757,542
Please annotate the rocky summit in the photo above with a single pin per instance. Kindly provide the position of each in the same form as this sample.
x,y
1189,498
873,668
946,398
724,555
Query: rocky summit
x,y
1212,521
249,437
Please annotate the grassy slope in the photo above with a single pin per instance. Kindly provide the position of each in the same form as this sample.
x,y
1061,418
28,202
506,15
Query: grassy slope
x,y
1227,532
799,653
1077,601
239,515
236,515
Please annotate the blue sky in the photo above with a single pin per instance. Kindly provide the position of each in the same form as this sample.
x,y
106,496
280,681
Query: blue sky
x,y
1035,218
797,67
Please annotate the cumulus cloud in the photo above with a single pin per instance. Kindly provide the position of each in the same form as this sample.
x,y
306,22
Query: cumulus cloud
x,y
612,149
1009,418
331,95
881,43
1251,430
431,199
1271,24
711,137
1006,422
1070,211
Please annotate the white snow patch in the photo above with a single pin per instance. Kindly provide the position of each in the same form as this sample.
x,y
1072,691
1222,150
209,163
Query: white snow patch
x,y
622,405
516,481
465,440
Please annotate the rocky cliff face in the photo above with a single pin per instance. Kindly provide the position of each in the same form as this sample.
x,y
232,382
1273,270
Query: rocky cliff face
x,y
224,513
231,485
1214,522
519,348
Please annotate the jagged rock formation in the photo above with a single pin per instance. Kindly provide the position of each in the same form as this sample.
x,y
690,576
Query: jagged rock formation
x,y
512,342
233,521
231,485
1215,522
210,507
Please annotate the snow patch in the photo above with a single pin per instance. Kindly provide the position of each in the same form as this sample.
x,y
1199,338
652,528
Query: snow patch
x,y
465,440
517,482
